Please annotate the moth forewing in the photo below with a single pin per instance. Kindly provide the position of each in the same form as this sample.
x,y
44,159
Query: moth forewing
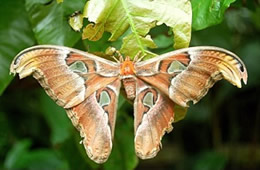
x,y
190,72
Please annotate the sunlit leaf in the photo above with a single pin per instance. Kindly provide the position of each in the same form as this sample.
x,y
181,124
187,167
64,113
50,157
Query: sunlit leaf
x,y
15,35
108,14
131,47
76,21
208,12
59,1
116,17
93,32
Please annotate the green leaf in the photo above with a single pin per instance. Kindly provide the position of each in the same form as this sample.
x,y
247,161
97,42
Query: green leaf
x,y
19,149
123,154
163,41
179,113
42,159
116,17
59,1
130,47
97,46
4,133
15,35
108,15
255,18
20,157
80,160
56,118
121,102
208,12
250,52
210,161
50,21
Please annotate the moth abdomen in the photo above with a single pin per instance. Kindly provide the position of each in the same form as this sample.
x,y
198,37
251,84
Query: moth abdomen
x,y
130,87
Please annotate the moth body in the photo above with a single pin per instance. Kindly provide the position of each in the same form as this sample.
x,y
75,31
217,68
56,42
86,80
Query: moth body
x,y
129,86
127,76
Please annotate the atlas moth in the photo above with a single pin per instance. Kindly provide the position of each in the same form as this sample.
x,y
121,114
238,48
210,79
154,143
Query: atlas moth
x,y
88,86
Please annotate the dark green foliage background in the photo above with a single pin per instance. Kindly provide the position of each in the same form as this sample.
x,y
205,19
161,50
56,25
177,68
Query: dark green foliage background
x,y
222,131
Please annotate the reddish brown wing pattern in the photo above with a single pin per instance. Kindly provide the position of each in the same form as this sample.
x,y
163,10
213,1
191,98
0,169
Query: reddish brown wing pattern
x,y
153,113
84,84
187,74
67,75
88,87
95,119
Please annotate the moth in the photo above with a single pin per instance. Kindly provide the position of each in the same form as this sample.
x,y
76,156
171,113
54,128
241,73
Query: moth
x,y
88,86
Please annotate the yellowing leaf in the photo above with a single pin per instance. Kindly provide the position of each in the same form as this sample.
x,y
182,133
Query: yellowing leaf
x,y
131,45
116,16
108,14
76,21
179,113
93,32
176,14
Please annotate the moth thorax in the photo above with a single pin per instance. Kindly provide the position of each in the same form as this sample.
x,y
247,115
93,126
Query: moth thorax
x,y
130,86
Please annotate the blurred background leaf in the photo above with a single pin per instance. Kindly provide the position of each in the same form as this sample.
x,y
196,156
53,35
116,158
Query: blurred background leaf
x,y
15,35
20,157
210,161
56,118
123,154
